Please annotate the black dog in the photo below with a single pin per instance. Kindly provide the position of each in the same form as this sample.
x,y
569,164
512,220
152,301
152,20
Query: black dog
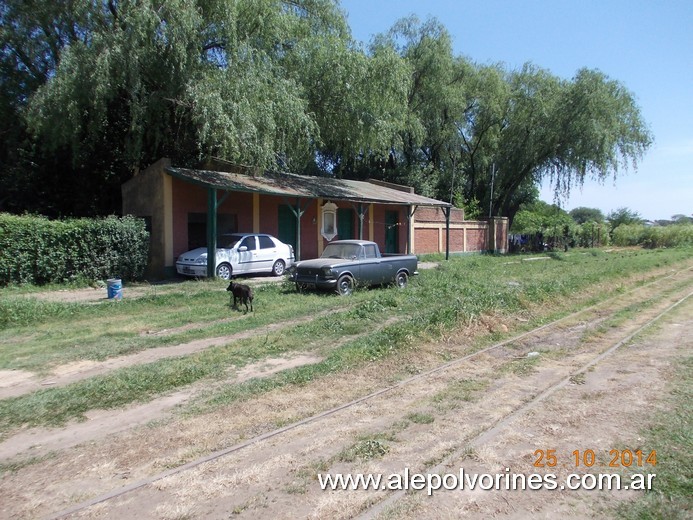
x,y
243,293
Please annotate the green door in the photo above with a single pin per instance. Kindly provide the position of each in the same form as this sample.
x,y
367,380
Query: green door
x,y
286,231
345,223
391,232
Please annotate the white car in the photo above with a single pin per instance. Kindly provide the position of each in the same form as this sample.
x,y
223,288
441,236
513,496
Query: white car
x,y
242,253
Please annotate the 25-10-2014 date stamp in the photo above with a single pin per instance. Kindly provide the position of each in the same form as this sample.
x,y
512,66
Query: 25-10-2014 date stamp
x,y
588,458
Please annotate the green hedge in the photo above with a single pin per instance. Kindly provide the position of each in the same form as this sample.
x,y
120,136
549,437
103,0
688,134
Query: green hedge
x,y
37,250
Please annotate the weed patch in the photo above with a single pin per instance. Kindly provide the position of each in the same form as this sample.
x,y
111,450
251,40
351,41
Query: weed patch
x,y
364,450
461,391
420,418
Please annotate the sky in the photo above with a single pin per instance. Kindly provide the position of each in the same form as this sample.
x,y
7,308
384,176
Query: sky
x,y
647,45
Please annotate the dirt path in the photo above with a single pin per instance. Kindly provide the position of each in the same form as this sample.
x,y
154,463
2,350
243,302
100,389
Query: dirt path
x,y
19,382
39,442
100,294
438,419
420,424
597,410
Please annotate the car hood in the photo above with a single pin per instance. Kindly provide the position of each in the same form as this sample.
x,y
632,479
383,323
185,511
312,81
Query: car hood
x,y
322,262
195,254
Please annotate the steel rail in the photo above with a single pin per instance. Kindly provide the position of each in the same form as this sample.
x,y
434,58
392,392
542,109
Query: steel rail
x,y
268,435
491,432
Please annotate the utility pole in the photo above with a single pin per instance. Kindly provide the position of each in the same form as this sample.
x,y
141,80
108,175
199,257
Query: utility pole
x,y
490,202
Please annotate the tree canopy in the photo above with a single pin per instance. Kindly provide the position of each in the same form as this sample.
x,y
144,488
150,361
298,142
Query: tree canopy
x,y
621,216
582,214
92,91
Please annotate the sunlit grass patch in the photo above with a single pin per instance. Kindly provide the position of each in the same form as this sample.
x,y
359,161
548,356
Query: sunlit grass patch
x,y
370,325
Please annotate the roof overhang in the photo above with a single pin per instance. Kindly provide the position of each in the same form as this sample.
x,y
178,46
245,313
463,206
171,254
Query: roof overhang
x,y
302,186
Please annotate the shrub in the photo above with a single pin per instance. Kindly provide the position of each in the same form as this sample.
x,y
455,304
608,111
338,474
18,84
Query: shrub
x,y
39,251
629,235
653,237
591,234
668,236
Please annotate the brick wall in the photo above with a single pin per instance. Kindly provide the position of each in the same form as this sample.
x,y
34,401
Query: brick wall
x,y
426,241
429,234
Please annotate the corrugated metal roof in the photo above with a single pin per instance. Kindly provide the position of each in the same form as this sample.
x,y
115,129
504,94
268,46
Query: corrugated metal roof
x,y
292,185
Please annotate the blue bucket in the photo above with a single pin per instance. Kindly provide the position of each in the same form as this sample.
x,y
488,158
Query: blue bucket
x,y
115,288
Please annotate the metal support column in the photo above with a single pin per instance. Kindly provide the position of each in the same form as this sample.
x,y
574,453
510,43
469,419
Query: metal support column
x,y
361,214
212,207
299,213
211,232
446,211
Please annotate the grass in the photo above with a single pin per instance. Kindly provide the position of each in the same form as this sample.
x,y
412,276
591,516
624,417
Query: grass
x,y
460,391
364,449
36,335
98,332
521,367
671,436
420,418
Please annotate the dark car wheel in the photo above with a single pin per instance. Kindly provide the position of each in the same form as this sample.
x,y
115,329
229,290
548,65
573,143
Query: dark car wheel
x,y
224,271
401,280
345,285
278,268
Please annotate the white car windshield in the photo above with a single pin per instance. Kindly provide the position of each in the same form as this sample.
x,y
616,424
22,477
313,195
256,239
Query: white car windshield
x,y
346,251
228,241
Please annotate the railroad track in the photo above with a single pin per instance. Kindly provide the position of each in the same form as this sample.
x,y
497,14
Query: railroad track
x,y
488,434
655,299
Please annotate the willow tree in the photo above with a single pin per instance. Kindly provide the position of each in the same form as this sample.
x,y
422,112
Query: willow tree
x,y
488,136
129,82
433,101
356,98
567,131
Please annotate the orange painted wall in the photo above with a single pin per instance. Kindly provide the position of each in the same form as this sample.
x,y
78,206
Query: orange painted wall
x,y
189,198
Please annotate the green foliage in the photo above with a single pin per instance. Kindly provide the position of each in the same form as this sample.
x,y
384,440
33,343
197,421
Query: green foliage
x,y
364,450
472,210
118,85
653,237
582,215
592,234
681,219
38,251
280,84
629,235
547,220
622,216
468,120
200,74
589,127
437,303
357,101
420,418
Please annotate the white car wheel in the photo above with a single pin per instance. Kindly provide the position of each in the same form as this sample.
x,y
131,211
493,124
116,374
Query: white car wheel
x,y
278,268
224,271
